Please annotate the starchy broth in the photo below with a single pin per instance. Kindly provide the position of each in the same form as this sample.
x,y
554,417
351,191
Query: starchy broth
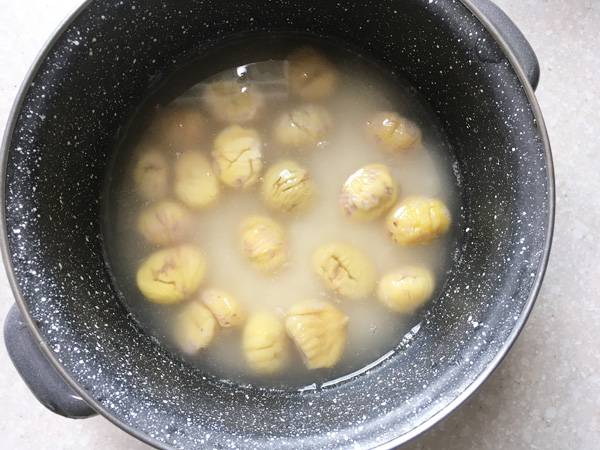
x,y
210,182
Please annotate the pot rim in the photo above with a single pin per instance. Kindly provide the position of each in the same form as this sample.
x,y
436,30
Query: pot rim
x,y
404,438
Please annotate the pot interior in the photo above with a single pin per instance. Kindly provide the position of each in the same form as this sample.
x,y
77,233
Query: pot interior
x,y
92,80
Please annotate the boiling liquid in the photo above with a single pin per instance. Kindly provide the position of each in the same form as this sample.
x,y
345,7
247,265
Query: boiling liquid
x,y
373,330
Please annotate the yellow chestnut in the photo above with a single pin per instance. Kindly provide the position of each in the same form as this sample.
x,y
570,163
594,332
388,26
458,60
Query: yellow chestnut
x,y
311,75
226,309
393,132
263,243
238,156
368,192
151,175
179,128
164,223
345,270
287,187
406,289
195,327
171,275
303,127
233,101
319,331
264,343
196,185
418,220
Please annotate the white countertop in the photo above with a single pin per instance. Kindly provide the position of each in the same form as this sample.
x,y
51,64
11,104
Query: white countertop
x,y
546,393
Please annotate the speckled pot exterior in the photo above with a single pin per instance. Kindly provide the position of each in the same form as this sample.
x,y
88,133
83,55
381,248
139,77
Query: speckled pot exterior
x,y
89,83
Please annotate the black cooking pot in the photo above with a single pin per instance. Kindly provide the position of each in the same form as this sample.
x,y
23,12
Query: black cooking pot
x,y
81,352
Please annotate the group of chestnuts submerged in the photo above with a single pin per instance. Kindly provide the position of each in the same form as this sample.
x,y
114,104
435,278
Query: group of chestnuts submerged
x,y
175,177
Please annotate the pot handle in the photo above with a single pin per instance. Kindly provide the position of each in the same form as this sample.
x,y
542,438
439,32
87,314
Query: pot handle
x,y
513,37
42,379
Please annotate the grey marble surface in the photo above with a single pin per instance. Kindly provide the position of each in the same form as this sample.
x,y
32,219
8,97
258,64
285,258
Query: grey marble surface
x,y
546,393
